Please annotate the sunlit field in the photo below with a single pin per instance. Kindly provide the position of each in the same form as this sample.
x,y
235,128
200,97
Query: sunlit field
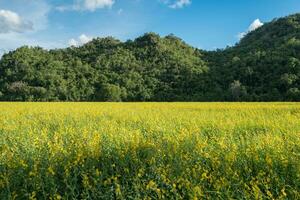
x,y
149,150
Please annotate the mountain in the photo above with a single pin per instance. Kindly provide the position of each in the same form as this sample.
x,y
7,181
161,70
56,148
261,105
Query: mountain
x,y
263,66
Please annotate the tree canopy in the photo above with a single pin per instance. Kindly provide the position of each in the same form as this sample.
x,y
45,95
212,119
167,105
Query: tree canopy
x,y
263,66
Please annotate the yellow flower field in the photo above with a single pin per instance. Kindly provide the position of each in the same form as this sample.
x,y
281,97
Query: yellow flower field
x,y
149,150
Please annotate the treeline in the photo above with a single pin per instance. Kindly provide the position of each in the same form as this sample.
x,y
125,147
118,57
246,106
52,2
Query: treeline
x,y
263,66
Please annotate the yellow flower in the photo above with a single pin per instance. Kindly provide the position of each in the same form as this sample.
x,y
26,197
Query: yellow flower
x,y
118,190
151,185
32,196
51,171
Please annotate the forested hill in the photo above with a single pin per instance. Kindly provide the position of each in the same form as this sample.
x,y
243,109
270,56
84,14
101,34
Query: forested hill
x,y
263,66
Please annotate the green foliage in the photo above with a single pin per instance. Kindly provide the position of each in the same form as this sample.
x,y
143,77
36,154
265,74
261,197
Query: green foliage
x,y
237,90
110,92
266,63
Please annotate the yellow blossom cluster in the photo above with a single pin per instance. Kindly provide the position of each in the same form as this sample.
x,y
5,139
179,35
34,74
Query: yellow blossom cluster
x,y
149,151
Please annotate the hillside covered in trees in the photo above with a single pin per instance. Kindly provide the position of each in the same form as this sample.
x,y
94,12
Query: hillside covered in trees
x,y
263,66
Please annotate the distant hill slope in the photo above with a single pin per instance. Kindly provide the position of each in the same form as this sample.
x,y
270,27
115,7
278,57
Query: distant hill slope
x,y
263,66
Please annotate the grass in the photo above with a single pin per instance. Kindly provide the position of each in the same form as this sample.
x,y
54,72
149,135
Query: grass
x,y
149,150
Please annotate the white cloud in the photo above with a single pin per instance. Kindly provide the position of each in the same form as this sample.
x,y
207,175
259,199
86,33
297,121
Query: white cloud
x,y
241,35
29,18
73,42
253,26
180,4
82,39
89,5
12,22
95,4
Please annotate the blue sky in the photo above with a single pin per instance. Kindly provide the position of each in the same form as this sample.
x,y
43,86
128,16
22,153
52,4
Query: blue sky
x,y
206,24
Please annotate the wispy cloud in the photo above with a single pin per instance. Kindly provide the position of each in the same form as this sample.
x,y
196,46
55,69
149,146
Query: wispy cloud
x,y
12,41
180,4
176,4
87,5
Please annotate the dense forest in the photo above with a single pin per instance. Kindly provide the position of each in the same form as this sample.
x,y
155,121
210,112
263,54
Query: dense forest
x,y
263,66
